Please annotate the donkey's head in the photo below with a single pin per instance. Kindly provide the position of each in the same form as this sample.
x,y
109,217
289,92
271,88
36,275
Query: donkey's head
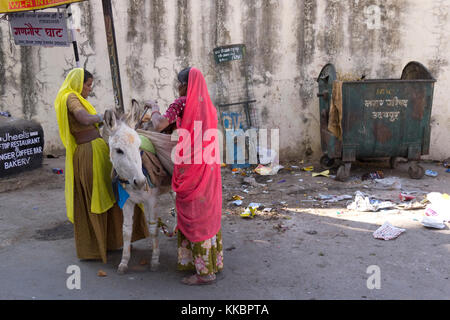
x,y
124,152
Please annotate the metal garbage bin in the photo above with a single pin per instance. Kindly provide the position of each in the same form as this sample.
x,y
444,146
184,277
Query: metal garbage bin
x,y
379,118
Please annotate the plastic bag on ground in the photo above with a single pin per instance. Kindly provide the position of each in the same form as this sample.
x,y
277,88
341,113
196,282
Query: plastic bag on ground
x,y
364,203
439,205
268,171
389,183
433,222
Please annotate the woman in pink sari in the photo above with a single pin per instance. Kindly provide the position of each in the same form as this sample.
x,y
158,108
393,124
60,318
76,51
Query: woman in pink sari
x,y
196,178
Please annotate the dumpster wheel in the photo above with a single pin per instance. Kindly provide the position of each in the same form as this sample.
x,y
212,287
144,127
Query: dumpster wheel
x,y
326,162
416,172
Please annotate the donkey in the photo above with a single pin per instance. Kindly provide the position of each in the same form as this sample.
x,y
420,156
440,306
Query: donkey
x,y
124,144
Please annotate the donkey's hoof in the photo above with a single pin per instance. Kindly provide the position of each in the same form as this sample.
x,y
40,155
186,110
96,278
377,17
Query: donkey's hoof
x,y
154,266
123,268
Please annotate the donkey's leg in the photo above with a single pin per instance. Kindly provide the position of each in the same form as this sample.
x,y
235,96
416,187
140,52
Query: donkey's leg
x,y
150,209
127,229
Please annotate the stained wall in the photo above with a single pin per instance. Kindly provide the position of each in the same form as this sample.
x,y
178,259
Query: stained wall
x,y
288,42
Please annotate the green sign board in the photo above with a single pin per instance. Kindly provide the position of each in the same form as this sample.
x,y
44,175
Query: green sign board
x,y
229,53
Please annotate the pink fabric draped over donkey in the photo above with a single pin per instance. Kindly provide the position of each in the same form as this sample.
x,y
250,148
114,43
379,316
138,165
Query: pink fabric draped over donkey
x,y
196,178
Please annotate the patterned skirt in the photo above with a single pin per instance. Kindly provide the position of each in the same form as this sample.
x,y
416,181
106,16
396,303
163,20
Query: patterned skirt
x,y
205,257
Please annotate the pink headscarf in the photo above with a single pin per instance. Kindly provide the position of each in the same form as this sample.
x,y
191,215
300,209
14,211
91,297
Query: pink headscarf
x,y
197,181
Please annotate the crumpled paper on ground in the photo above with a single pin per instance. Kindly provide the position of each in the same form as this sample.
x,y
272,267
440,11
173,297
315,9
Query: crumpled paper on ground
x,y
387,232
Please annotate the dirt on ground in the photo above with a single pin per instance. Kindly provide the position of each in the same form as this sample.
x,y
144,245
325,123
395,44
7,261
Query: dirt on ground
x,y
302,241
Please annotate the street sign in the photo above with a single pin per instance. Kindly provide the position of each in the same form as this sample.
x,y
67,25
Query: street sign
x,y
39,29
229,53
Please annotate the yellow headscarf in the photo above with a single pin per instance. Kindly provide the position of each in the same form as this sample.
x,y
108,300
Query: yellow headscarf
x,y
102,194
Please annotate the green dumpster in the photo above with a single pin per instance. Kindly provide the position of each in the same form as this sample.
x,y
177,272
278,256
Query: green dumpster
x,y
379,118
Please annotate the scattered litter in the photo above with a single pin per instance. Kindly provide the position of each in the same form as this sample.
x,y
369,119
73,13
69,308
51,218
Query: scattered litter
x,y
281,181
373,175
431,173
58,170
295,167
268,171
406,197
387,232
101,273
448,170
251,181
222,165
238,197
267,209
300,180
310,168
439,205
255,205
389,183
311,232
280,228
250,211
245,190
333,198
364,203
446,163
269,180
433,222
237,202
325,173
413,205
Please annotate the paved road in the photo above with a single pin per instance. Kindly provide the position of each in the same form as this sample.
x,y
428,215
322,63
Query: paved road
x,y
315,254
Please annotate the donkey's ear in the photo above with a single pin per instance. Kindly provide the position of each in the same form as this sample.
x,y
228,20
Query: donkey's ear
x,y
110,119
135,111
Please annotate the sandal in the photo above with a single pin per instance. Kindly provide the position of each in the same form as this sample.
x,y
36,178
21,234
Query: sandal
x,y
197,280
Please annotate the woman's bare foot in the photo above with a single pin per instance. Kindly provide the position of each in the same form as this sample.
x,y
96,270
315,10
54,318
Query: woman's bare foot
x,y
199,280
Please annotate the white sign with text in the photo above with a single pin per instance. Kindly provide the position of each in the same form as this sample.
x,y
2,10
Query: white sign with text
x,y
47,29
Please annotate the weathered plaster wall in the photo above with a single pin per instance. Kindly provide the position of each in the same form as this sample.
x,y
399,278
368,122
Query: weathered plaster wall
x,y
288,42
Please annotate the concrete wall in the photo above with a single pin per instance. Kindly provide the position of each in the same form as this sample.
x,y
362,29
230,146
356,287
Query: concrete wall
x,y
288,42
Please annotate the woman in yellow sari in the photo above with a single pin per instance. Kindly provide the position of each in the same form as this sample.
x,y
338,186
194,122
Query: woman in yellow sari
x,y
90,201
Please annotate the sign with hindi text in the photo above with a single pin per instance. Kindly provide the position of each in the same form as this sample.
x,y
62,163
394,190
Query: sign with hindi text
x,y
229,53
39,29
